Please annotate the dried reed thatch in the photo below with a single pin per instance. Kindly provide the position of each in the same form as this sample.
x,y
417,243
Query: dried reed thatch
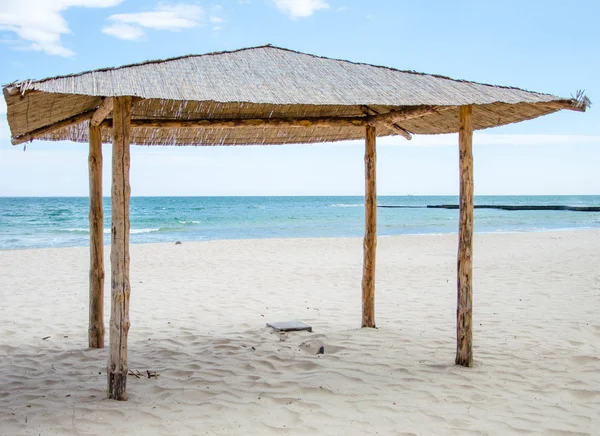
x,y
276,91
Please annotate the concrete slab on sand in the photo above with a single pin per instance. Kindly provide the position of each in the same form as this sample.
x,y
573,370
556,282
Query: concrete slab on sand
x,y
289,326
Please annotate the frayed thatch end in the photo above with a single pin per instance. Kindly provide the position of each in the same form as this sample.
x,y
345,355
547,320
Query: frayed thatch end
x,y
580,100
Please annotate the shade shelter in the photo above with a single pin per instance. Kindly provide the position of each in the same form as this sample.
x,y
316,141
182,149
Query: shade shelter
x,y
257,96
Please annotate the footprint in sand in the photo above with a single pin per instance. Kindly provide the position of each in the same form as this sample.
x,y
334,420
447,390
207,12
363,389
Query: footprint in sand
x,y
318,347
585,360
584,394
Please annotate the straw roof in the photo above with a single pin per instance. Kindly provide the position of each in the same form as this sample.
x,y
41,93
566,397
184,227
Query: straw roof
x,y
265,83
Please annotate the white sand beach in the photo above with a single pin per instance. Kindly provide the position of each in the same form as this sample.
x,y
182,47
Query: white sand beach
x,y
198,313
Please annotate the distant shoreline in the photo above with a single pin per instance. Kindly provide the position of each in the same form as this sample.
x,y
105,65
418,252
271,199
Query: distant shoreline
x,y
274,239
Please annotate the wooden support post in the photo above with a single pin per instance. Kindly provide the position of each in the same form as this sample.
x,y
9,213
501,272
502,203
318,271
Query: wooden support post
x,y
464,310
96,327
370,241
119,253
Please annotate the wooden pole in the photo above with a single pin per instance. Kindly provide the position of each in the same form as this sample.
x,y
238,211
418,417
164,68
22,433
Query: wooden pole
x,y
119,253
370,241
464,311
96,328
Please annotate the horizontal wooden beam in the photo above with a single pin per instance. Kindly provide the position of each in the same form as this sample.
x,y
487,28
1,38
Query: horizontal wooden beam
x,y
246,122
102,112
42,131
390,117
410,113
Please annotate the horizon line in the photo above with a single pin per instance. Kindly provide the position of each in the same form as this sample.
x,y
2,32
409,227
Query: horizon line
x,y
305,195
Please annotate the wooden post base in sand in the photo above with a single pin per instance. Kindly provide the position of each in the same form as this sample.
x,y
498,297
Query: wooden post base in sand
x,y
370,240
119,252
464,310
96,289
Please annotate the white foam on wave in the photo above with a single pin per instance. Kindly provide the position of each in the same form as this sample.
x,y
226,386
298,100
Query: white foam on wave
x,y
77,230
538,229
134,231
107,231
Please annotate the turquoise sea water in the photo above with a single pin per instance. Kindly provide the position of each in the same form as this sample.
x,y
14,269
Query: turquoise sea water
x,y
62,222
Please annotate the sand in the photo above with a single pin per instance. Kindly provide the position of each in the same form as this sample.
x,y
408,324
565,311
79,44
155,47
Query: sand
x,y
198,313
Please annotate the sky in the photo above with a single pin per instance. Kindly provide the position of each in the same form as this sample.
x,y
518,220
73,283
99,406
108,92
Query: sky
x,y
542,45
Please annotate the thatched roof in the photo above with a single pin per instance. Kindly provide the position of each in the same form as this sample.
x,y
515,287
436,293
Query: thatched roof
x,y
266,83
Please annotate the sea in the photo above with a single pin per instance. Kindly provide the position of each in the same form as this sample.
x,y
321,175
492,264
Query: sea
x,y
28,222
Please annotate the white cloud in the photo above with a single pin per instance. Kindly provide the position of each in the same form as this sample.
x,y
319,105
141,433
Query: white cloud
x,y
215,17
39,24
300,8
124,31
164,17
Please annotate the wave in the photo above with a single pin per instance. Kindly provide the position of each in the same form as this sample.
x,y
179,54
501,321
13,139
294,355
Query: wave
x,y
78,230
347,205
534,229
134,231
107,231
189,222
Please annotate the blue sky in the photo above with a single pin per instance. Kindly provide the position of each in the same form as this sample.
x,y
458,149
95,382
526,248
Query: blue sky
x,y
548,46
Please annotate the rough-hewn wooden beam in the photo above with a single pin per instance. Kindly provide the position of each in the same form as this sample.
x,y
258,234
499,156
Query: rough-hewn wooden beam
x,y
222,123
464,310
246,122
388,118
119,252
96,287
370,240
102,112
410,113
42,131
399,130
